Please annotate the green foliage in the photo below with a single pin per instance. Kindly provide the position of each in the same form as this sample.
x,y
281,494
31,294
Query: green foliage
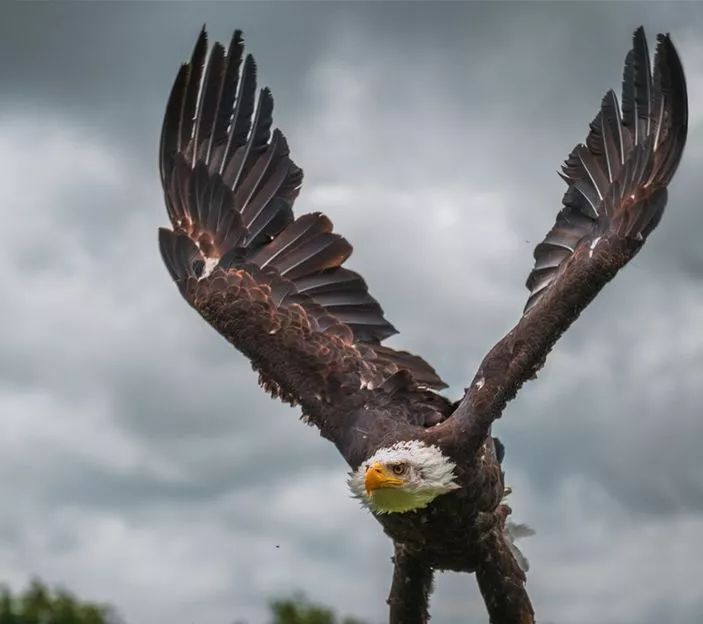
x,y
299,610
38,604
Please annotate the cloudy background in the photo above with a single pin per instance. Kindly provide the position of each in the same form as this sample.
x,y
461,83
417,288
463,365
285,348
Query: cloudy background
x,y
139,462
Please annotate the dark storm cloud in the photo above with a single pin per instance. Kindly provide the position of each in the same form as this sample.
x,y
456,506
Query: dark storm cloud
x,y
430,135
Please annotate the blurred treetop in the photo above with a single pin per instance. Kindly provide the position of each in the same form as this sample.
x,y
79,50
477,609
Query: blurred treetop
x,y
38,604
298,610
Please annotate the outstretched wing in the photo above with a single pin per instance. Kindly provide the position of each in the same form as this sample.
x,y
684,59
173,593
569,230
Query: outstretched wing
x,y
615,197
617,181
271,284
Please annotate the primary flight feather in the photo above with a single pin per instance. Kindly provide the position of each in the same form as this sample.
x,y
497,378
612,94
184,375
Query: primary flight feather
x,y
274,286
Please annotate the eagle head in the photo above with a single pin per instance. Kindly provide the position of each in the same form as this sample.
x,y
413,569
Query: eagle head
x,y
403,477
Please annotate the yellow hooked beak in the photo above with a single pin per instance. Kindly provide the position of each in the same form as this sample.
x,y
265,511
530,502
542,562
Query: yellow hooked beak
x,y
377,476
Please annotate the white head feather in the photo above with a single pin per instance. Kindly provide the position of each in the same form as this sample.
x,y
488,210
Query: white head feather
x,y
428,474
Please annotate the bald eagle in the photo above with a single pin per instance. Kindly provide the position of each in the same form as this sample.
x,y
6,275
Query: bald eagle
x,y
275,286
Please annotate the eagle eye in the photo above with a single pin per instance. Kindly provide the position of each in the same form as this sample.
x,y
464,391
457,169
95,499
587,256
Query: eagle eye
x,y
399,469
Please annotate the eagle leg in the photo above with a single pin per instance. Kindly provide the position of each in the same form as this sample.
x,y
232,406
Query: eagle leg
x,y
410,590
502,581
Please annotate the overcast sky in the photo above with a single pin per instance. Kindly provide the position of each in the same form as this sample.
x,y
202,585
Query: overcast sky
x,y
139,462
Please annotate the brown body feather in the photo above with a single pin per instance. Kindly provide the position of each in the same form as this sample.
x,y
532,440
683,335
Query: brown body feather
x,y
274,287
